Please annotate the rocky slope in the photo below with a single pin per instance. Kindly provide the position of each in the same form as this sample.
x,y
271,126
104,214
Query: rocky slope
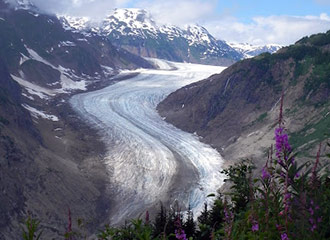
x,y
136,31
236,111
49,160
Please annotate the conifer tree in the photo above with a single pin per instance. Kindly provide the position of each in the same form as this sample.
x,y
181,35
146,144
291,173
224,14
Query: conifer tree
x,y
160,221
190,226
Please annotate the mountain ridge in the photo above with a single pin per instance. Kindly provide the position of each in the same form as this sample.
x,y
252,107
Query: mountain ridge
x,y
235,111
50,160
249,50
135,30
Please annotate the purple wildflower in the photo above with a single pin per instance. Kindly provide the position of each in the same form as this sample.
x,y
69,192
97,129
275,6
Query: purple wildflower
x,y
284,236
282,144
314,172
69,226
311,211
287,196
313,227
70,221
265,174
147,217
255,226
180,234
229,218
279,227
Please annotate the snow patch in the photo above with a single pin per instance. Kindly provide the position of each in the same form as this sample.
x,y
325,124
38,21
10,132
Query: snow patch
x,y
66,80
249,50
23,59
74,23
35,56
27,96
34,14
67,75
67,44
34,89
38,113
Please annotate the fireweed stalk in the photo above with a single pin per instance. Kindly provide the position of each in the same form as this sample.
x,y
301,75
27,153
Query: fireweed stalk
x,y
283,150
229,220
69,232
266,178
313,208
179,232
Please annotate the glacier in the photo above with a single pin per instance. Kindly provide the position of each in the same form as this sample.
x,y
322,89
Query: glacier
x,y
149,160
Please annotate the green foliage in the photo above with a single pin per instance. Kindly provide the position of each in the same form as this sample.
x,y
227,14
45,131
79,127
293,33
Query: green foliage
x,y
4,121
289,199
297,52
262,117
302,67
30,229
312,132
190,226
320,39
239,175
160,221
135,230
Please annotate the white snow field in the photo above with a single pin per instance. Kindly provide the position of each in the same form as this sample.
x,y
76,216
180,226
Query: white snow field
x,y
148,159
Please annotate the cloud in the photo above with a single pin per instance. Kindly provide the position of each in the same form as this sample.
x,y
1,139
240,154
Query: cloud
x,y
96,9
283,30
261,30
179,12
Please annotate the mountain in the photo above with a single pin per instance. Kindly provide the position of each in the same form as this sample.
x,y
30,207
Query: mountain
x,y
236,111
136,31
248,50
49,159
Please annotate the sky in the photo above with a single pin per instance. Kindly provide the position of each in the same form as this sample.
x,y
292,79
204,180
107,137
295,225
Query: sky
x,y
253,21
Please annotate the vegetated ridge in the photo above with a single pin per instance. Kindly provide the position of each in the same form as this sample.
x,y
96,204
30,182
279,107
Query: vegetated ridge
x,y
235,111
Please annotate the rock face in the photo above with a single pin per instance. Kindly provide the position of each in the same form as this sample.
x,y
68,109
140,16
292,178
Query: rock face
x,y
136,31
236,111
49,160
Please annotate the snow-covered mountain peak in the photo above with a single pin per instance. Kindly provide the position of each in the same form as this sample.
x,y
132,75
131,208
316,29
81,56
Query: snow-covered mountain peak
x,y
131,14
136,31
75,23
198,34
129,21
248,50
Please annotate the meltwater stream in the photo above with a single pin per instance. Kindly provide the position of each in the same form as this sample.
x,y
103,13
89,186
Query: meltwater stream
x,y
148,159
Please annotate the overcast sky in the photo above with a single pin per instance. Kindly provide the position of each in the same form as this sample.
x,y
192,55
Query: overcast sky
x,y
253,21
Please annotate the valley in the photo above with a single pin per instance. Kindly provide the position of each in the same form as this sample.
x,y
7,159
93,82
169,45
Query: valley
x,y
105,117
150,161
